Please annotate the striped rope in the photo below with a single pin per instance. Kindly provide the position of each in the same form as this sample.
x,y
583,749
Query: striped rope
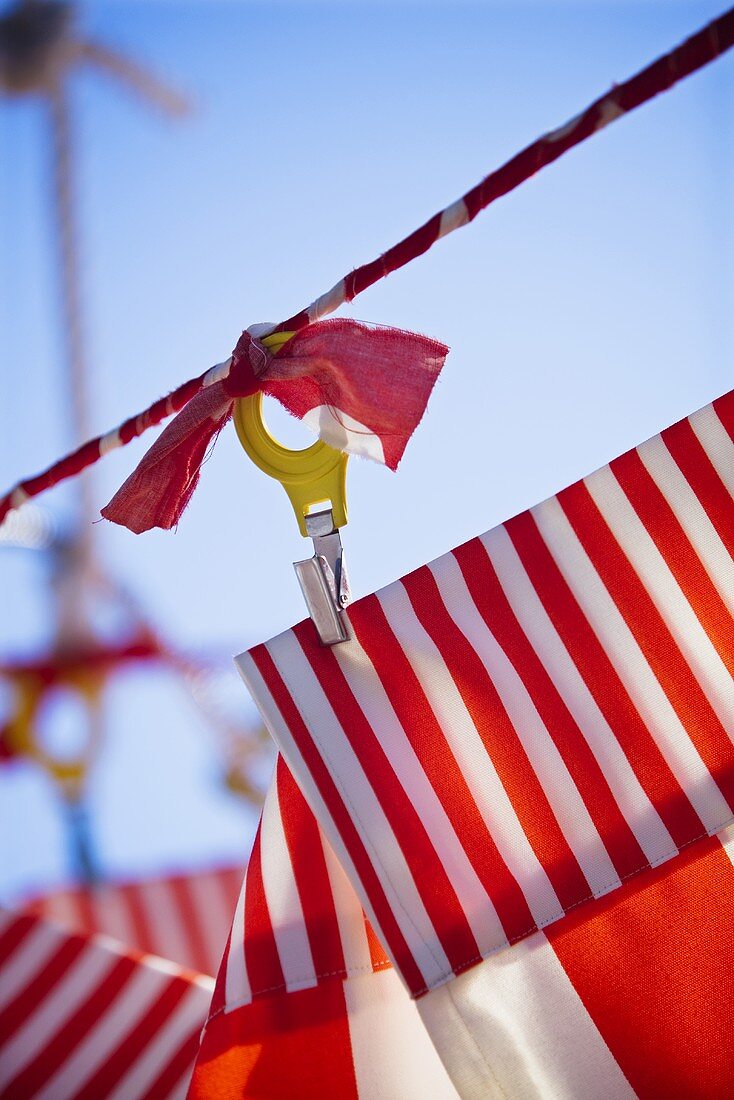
x,y
693,54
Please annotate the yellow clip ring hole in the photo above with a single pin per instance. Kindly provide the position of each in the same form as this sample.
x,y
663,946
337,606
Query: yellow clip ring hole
x,y
311,476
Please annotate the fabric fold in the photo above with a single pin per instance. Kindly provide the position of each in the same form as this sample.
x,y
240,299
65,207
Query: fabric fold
x,y
307,1003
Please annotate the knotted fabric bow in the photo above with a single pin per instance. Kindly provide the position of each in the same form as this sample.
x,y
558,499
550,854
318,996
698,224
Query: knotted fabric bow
x,y
362,389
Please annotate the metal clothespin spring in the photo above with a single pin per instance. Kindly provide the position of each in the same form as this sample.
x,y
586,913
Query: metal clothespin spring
x,y
323,578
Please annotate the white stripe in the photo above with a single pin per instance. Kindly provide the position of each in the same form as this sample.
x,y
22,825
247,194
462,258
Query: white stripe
x,y
608,111
63,908
371,696
29,960
349,915
514,1027
237,989
394,1059
453,217
565,129
109,1032
166,922
55,1010
627,659
186,1020
675,611
112,915
328,302
715,440
364,806
283,900
471,756
342,432
569,808
636,808
691,515
212,903
292,755
217,373
110,442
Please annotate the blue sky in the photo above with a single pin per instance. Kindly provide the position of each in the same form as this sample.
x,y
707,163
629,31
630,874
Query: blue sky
x,y
585,311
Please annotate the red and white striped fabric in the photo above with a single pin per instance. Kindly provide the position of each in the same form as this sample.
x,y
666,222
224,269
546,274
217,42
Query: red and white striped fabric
x,y
184,918
530,722
630,995
81,1019
306,1002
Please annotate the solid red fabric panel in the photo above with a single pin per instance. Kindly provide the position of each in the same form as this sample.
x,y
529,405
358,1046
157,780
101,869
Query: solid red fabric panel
x,y
652,963
288,1045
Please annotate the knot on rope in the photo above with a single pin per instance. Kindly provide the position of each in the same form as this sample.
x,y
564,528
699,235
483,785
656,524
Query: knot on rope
x,y
361,388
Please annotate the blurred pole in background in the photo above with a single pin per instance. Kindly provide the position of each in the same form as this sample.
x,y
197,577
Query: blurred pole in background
x,y
40,51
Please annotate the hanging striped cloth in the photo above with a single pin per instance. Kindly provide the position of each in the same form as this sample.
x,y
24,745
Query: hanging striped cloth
x,y
536,732
184,918
82,1019
307,1004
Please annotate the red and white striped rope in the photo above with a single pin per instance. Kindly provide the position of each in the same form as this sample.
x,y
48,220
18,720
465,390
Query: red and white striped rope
x,y
693,54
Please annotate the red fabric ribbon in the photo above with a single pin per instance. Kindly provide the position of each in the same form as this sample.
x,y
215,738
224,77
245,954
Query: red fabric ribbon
x,y
363,389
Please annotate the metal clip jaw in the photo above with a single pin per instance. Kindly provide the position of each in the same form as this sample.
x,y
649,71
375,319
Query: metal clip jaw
x,y
323,578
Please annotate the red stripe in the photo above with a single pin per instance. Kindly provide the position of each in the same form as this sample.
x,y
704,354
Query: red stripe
x,y
696,467
609,693
328,791
672,542
89,905
51,972
74,1030
652,635
433,883
261,951
294,1045
136,910
724,409
306,851
422,728
652,963
219,998
198,953
494,607
516,773
14,935
139,1032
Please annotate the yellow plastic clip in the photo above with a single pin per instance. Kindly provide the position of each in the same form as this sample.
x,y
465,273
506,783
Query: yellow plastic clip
x,y
315,481
311,477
